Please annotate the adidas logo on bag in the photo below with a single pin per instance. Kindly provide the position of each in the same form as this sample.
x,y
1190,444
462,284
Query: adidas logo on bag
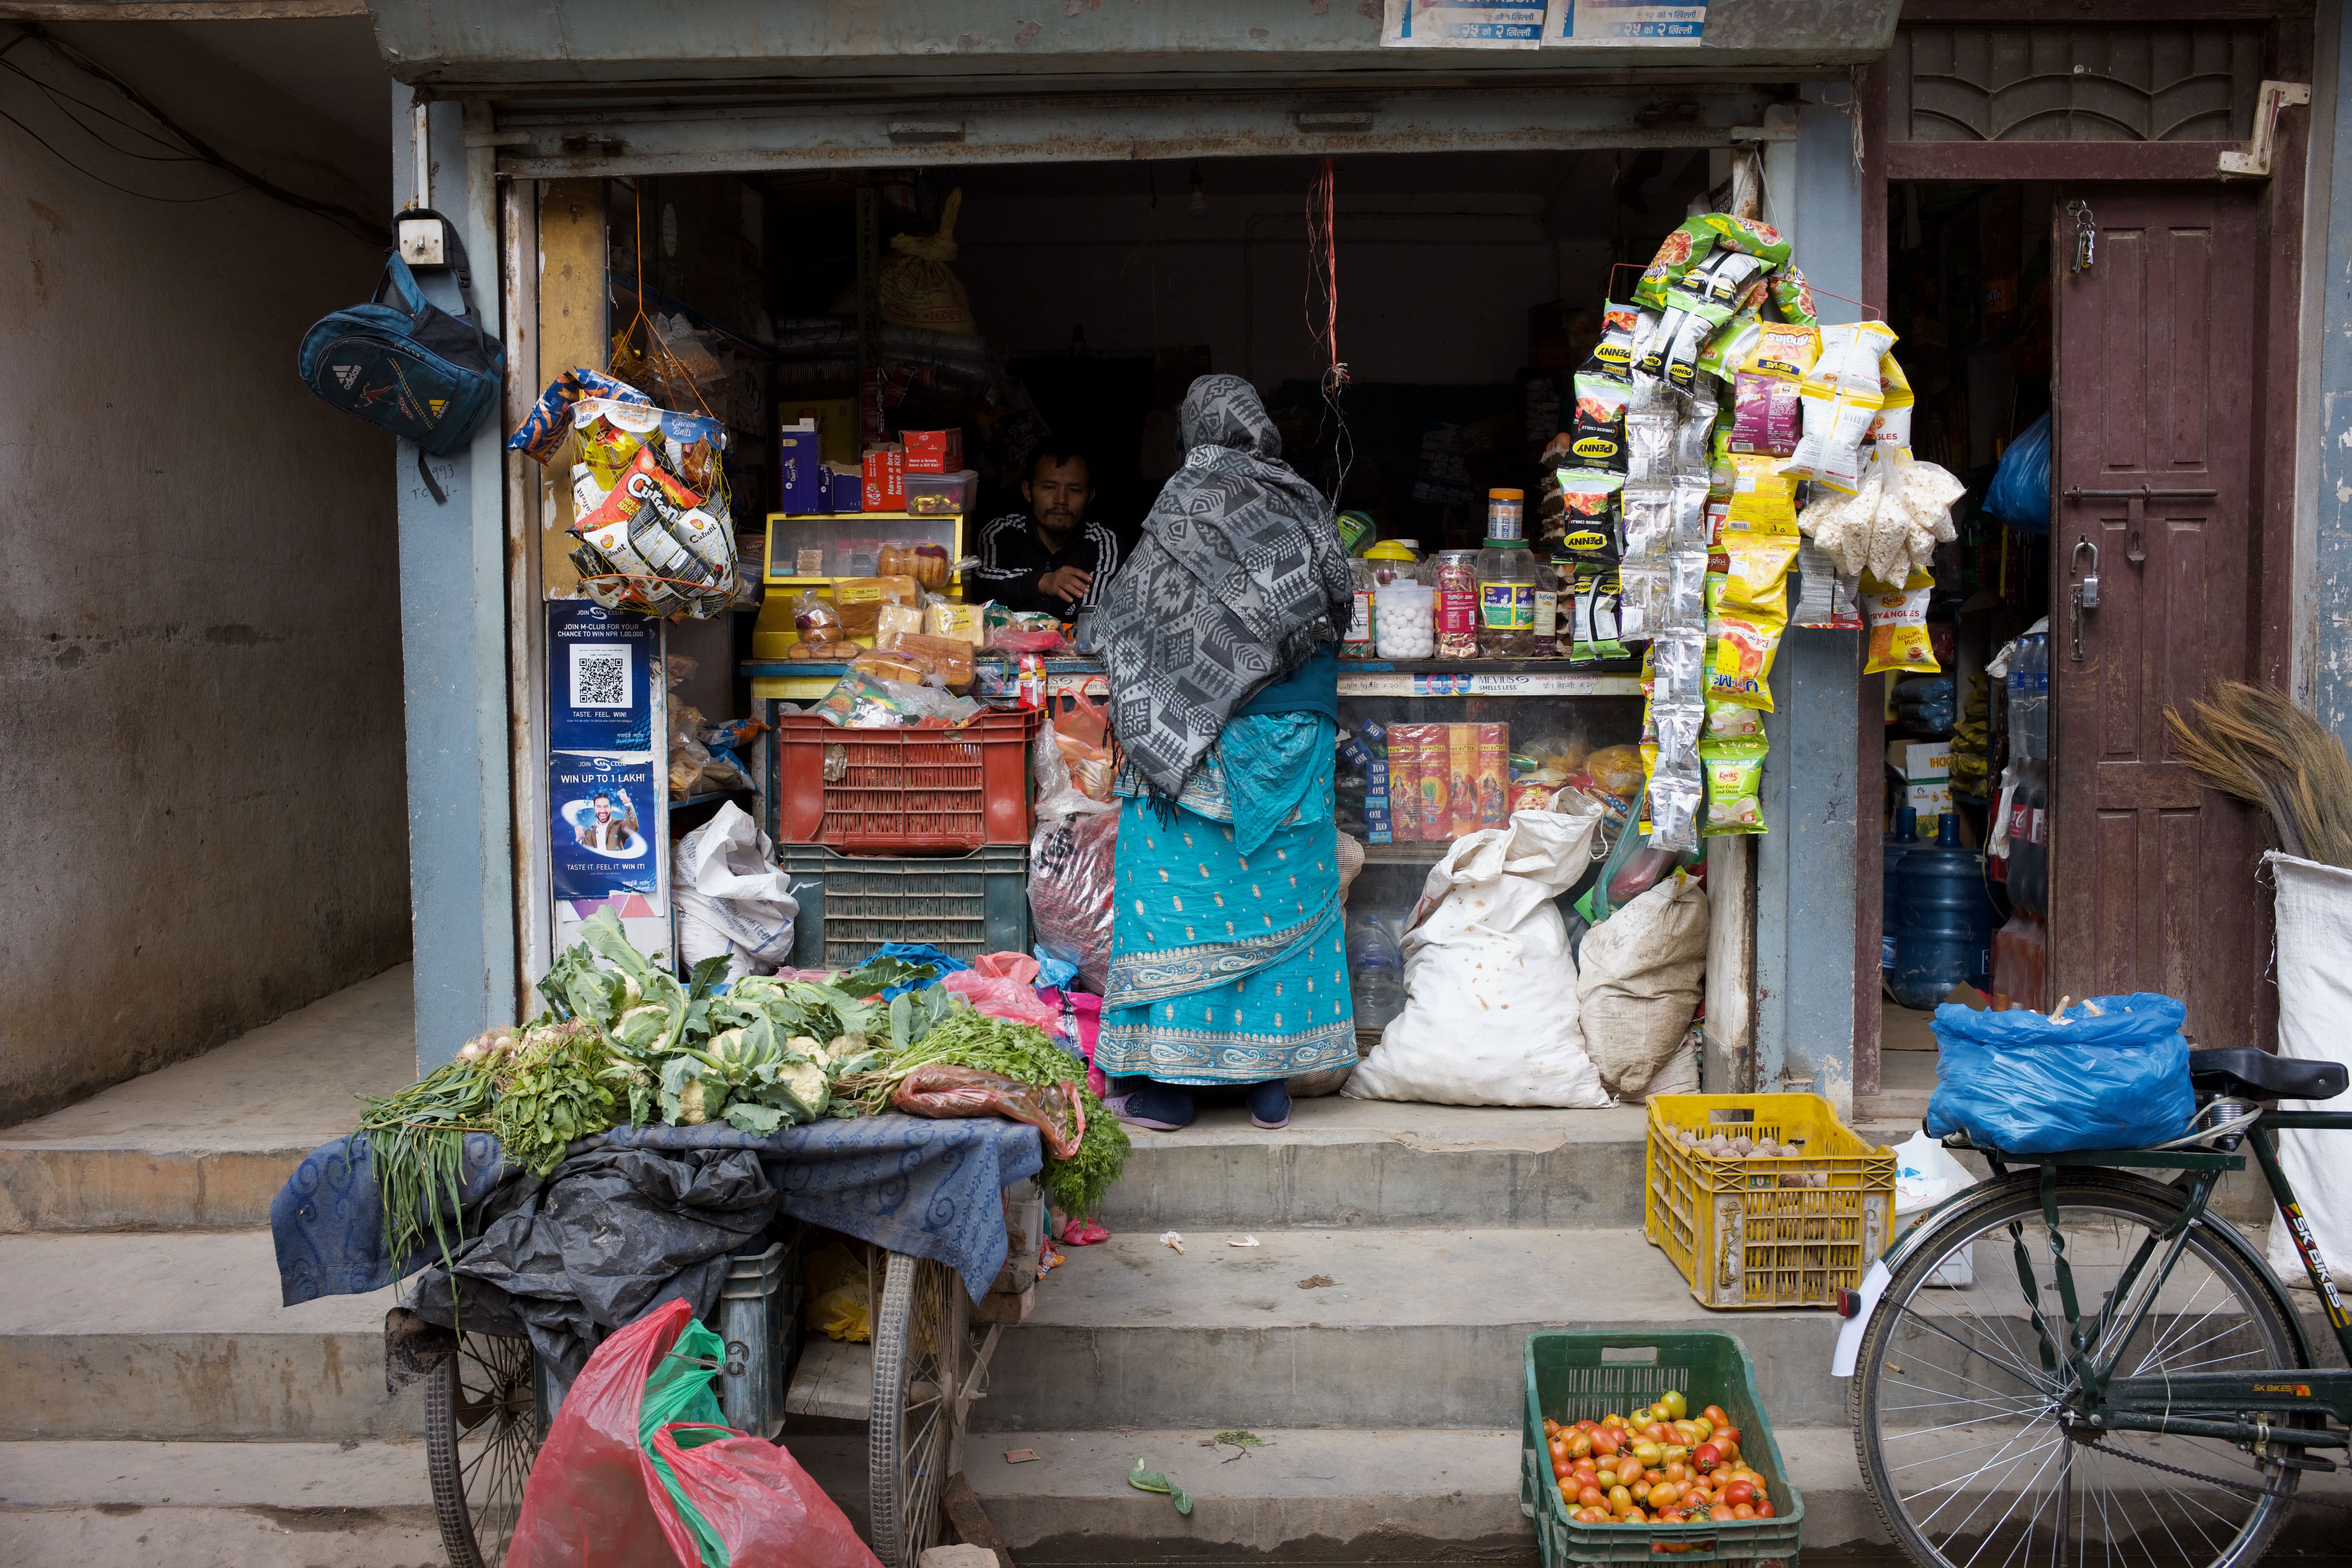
x,y
347,374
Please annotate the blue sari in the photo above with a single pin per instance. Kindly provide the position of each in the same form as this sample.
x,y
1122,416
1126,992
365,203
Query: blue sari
x,y
1229,963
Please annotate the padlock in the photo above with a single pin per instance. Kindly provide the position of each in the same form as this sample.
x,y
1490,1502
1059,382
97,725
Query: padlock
x,y
2090,590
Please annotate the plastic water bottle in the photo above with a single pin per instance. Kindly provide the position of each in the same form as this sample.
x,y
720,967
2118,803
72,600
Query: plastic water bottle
x,y
1375,971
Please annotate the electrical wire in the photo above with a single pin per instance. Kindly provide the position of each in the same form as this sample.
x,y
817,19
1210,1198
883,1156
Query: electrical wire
x,y
1322,304
198,150
60,98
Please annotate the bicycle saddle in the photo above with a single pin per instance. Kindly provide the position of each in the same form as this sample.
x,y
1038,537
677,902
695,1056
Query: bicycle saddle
x,y
2258,1075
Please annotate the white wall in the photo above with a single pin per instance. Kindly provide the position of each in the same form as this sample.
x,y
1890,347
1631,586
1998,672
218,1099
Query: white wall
x,y
200,709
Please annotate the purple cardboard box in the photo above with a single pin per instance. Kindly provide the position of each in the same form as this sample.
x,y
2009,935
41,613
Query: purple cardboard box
x,y
807,487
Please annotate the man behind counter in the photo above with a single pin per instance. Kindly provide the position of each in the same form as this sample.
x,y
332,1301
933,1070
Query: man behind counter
x,y
1051,557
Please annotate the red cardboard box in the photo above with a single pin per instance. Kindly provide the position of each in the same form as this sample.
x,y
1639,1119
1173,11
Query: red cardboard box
x,y
933,451
886,479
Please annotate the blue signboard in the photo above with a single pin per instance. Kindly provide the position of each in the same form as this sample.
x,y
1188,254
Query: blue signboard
x,y
599,678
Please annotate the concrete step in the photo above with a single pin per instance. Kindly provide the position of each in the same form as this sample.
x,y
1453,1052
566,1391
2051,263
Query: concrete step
x,y
181,1335
1416,1329
1347,1494
217,1505
206,1142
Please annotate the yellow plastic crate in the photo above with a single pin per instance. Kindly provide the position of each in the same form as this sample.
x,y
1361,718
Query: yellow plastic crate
x,y
1741,1235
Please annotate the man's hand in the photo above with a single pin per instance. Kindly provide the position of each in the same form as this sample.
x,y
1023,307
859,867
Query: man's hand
x,y
1068,584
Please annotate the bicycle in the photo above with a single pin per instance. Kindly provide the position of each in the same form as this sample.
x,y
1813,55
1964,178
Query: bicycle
x,y
2076,1360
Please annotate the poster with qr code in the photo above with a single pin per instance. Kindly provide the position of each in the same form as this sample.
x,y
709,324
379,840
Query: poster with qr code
x,y
599,678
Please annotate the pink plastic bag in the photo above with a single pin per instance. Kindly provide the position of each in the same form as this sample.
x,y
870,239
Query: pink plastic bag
x,y
595,1499
1081,1014
1002,984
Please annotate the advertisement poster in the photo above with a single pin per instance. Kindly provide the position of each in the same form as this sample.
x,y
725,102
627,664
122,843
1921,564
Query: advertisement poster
x,y
599,678
602,825
1464,24
1619,23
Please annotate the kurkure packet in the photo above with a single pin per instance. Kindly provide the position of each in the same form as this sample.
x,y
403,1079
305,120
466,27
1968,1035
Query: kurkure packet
x,y
1898,625
1697,239
1746,639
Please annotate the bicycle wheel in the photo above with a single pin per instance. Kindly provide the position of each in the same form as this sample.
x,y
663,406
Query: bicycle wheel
x,y
915,1434
1957,1424
481,1433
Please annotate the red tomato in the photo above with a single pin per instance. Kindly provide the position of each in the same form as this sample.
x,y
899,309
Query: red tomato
x,y
1764,1507
1723,1435
1592,1497
1715,1413
1721,1510
1604,1442
1739,1492
1561,1469
1706,1458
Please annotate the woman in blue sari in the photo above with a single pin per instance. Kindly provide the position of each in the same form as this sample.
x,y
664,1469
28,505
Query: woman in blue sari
x,y
1229,965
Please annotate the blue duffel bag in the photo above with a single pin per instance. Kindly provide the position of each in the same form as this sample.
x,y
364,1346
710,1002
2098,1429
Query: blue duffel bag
x,y
2108,1073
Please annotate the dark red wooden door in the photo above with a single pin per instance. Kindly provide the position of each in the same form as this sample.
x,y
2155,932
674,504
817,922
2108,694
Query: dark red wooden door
x,y
2152,878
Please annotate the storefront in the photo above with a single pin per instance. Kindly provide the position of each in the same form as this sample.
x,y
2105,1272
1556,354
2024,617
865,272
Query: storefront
x,y
554,147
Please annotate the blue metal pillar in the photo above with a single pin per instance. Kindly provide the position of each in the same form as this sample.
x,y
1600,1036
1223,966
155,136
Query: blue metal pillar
x,y
1804,975
454,647
2323,597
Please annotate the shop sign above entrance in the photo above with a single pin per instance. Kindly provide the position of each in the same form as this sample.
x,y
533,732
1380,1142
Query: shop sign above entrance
x,y
1557,23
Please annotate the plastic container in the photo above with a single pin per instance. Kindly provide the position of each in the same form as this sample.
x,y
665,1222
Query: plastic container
x,y
1375,971
1943,920
941,495
1392,560
1741,1237
850,906
2021,959
1507,513
1897,844
1405,620
902,792
759,1299
1457,580
1582,1376
1506,600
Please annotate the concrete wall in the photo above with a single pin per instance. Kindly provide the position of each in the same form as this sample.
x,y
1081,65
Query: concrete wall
x,y
200,678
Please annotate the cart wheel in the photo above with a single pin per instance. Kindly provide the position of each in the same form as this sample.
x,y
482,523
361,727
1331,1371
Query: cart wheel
x,y
481,1432
914,1436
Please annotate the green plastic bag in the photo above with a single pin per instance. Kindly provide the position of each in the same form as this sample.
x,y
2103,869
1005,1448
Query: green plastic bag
x,y
679,1388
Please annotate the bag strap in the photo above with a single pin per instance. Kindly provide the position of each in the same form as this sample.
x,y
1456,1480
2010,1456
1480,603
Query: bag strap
x,y
397,273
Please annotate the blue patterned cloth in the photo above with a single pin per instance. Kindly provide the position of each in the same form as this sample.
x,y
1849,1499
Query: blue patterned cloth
x,y
1228,962
926,1188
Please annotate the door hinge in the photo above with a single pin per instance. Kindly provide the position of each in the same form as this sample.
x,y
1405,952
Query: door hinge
x,y
2256,158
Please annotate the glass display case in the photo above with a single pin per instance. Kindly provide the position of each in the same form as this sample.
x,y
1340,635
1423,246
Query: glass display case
x,y
818,548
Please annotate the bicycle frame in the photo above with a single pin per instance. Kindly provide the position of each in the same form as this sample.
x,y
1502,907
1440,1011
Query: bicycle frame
x,y
2234,1406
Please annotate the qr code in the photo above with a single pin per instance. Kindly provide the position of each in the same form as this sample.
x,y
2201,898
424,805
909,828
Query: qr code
x,y
600,675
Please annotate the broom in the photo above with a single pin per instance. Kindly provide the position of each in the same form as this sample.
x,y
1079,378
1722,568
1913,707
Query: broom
x,y
2254,744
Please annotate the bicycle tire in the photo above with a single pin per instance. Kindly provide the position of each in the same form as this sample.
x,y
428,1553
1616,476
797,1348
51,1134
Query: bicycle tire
x,y
477,1474
914,1435
2263,1333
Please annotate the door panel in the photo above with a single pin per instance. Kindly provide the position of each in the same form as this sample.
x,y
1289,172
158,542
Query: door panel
x,y
2152,878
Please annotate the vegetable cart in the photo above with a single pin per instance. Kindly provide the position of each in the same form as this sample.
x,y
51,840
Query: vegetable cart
x,y
912,1385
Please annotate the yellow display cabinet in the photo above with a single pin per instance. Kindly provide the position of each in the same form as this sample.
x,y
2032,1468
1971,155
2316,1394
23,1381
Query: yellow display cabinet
x,y
838,544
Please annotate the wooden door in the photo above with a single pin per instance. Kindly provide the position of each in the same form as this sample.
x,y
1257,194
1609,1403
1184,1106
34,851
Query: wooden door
x,y
2158,354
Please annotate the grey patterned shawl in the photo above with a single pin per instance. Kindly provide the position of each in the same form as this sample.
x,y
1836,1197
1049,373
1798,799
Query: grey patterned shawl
x,y
1238,579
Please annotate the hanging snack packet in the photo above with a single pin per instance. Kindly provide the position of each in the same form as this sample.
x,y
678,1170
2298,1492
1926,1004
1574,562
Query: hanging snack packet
x,y
606,445
1730,721
1735,786
1892,424
1588,509
1675,800
1692,434
1649,446
1763,497
1850,355
541,433
1792,296
1600,428
640,484
1640,584
1765,390
1686,513
1695,240
1757,576
1831,450
1691,339
1727,348
1651,361
1823,600
1613,355
1898,626
1648,514
1729,277
1678,657
1684,604
1745,642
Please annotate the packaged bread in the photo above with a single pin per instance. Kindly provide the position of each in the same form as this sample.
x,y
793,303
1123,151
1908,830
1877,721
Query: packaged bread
x,y
814,650
926,563
895,619
943,618
951,657
860,600
890,664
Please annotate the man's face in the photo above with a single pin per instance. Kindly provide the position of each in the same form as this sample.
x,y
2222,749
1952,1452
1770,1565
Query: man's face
x,y
1058,493
604,809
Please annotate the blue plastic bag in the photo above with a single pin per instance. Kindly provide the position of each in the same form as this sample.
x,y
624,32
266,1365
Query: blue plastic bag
x,y
2019,495
2108,1073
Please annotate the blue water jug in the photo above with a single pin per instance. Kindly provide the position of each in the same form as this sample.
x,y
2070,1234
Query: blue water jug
x,y
1897,844
1943,920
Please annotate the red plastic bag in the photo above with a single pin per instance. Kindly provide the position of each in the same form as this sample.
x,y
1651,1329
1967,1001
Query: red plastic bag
x,y
947,1092
595,1498
1071,868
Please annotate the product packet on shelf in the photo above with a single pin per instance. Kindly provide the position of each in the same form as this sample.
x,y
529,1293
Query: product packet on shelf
x,y
541,433
1735,784
1898,626
1822,601
1831,449
1434,777
1404,781
1599,426
1649,446
1892,425
1613,355
1792,296
1677,798
1695,240
1461,791
861,601
1750,616
1763,498
1493,775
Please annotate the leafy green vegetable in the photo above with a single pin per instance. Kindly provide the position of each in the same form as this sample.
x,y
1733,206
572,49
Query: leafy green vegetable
x,y
417,1147
552,1089
878,974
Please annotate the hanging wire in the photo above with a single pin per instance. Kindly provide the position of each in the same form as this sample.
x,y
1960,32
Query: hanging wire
x,y
1322,304
673,369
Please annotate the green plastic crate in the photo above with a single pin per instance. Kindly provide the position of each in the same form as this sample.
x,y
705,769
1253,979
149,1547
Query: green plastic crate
x,y
1574,1376
852,904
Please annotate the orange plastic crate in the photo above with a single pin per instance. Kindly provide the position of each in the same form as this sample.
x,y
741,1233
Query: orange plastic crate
x,y
904,792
